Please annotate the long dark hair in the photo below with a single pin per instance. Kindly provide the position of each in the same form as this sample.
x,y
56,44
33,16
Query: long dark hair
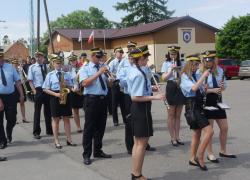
x,y
177,59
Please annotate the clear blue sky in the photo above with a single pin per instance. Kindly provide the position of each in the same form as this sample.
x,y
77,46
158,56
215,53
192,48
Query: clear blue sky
x,y
16,12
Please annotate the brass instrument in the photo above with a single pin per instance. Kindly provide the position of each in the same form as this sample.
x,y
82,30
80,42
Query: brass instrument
x,y
24,79
77,85
64,91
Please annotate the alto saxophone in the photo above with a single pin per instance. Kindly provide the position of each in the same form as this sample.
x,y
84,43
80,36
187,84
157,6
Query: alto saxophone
x,y
64,91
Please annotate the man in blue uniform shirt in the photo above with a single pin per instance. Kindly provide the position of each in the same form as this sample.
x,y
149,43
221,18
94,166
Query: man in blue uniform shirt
x,y
117,94
8,78
94,81
36,77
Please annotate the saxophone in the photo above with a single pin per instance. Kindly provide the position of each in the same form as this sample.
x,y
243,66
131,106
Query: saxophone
x,y
64,91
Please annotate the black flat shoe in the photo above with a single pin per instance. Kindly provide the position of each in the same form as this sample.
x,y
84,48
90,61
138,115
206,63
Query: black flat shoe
x,y
192,163
36,136
58,146
9,139
3,158
71,144
102,155
213,160
149,148
3,146
116,124
25,121
133,177
174,143
87,161
227,155
203,168
179,142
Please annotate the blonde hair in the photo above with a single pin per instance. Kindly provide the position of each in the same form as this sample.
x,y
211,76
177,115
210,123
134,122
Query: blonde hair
x,y
187,69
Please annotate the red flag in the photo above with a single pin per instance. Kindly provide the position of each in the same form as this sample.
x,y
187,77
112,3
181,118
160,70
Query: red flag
x,y
91,37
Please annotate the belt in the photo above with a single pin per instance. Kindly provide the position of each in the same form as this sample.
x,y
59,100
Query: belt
x,y
95,96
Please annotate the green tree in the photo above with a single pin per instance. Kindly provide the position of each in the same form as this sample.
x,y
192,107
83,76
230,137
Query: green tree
x,y
143,11
233,40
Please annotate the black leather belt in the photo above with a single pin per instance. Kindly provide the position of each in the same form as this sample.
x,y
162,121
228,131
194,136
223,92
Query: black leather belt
x,y
95,96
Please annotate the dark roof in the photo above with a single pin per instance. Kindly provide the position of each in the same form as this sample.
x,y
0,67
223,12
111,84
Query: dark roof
x,y
130,31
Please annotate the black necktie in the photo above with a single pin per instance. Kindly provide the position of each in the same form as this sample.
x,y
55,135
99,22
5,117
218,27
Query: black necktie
x,y
194,76
4,82
100,78
59,75
43,73
215,84
145,77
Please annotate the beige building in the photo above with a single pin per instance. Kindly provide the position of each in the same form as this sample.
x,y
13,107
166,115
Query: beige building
x,y
192,35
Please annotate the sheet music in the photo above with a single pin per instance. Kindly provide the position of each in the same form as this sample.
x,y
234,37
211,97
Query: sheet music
x,y
223,106
210,108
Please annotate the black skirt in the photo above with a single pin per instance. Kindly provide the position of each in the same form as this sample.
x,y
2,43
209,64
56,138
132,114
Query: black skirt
x,y
174,94
76,100
211,100
195,115
141,118
59,110
17,95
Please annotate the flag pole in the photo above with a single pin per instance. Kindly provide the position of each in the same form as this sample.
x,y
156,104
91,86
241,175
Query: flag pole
x,y
104,38
93,39
81,39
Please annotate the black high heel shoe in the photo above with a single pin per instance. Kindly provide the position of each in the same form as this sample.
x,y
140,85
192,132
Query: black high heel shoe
x,y
133,177
58,146
179,142
203,168
71,144
174,143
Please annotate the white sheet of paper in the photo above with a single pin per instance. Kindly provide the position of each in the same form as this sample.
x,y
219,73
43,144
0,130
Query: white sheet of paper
x,y
210,108
223,106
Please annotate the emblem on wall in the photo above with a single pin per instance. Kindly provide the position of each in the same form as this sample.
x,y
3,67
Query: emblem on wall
x,y
186,36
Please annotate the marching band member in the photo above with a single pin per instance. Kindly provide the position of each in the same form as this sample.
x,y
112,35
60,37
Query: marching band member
x,y
171,73
83,60
191,86
215,85
55,82
140,91
76,97
36,76
19,70
94,81
117,94
8,79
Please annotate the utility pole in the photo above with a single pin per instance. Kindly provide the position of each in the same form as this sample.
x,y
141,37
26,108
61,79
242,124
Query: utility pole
x,y
38,25
49,29
31,23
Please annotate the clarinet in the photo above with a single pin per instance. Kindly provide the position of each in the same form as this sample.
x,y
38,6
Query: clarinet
x,y
205,95
220,94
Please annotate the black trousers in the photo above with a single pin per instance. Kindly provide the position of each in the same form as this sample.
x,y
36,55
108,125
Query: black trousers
x,y
129,140
42,98
117,99
95,123
109,96
10,112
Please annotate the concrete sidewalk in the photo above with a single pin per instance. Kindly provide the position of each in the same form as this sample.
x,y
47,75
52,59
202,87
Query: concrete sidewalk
x,y
29,159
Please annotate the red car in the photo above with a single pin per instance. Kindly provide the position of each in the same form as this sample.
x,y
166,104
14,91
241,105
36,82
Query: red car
x,y
230,67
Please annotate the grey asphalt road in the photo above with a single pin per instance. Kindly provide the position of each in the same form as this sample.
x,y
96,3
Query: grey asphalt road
x,y
32,159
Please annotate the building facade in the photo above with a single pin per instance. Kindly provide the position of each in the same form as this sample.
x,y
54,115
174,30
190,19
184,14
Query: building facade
x,y
192,35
